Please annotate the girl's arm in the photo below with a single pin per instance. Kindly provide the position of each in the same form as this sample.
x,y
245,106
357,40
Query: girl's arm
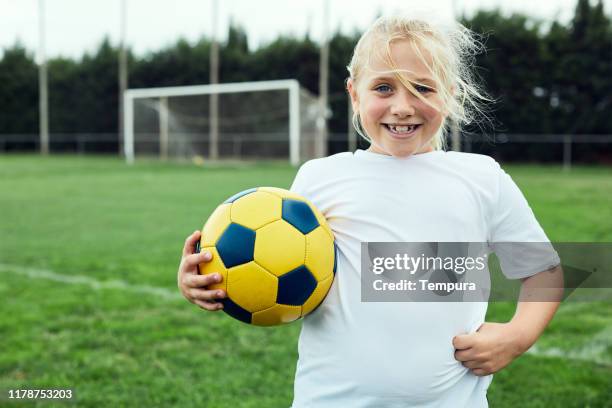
x,y
494,345
538,301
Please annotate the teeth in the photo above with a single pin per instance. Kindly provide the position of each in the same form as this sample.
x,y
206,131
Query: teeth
x,y
402,129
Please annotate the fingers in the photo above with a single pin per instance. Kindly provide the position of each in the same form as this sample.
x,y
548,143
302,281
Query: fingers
x,y
464,355
194,289
479,367
472,364
190,242
210,306
191,261
463,341
200,281
480,372
200,294
193,284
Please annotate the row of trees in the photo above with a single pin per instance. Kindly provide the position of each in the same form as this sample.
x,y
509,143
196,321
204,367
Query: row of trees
x,y
546,78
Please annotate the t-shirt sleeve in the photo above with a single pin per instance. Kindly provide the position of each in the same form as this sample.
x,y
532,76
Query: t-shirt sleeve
x,y
300,182
515,235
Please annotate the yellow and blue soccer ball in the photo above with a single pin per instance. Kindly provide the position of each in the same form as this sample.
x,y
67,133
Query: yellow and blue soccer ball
x,y
276,254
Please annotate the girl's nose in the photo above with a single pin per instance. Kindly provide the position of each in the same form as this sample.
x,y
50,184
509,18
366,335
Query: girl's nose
x,y
403,104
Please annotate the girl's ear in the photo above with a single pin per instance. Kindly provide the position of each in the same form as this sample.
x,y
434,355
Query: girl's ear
x,y
350,87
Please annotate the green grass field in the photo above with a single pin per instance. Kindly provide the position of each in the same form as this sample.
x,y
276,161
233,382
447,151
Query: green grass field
x,y
88,255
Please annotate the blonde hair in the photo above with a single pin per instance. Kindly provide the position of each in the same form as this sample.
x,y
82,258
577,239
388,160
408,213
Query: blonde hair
x,y
452,48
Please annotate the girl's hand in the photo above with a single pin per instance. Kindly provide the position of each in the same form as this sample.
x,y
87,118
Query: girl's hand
x,y
191,283
492,347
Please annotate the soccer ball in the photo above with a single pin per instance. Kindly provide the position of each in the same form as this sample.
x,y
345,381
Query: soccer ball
x,y
275,252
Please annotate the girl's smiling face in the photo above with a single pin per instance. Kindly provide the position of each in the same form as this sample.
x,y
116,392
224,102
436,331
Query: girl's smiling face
x,y
398,122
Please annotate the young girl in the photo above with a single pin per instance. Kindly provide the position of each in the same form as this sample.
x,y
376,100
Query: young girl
x,y
408,78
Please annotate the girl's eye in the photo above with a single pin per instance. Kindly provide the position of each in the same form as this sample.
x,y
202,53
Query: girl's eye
x,y
423,89
383,88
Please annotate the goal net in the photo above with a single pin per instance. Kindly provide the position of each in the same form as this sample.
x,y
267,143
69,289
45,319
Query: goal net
x,y
268,120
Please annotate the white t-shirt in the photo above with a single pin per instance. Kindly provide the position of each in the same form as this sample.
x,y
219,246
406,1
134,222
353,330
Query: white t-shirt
x,y
366,354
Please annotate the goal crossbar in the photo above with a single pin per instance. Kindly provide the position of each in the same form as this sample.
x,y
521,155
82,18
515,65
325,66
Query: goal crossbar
x,y
291,85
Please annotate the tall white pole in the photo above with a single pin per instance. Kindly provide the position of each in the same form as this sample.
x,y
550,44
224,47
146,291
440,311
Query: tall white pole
x,y
213,152
163,128
123,73
43,97
294,123
321,142
128,127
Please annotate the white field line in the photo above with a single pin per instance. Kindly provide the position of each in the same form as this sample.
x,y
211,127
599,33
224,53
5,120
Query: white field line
x,y
593,351
37,273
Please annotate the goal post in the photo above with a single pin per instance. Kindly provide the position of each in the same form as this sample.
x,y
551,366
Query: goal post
x,y
288,124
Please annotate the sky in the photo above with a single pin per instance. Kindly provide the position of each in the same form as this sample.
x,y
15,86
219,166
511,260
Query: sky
x,y
74,27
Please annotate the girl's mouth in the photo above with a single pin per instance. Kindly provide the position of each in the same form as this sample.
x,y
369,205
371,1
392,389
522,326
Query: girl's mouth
x,y
402,130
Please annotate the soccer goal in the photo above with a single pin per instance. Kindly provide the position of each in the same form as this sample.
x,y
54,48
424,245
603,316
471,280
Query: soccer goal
x,y
267,120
